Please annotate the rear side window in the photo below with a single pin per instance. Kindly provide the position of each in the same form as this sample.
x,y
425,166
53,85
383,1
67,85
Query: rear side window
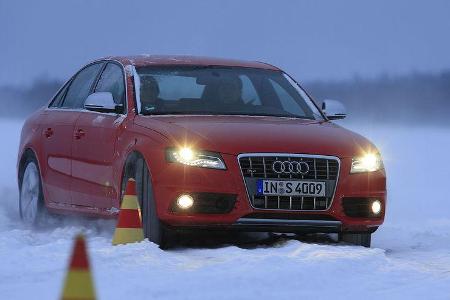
x,y
112,81
80,87
57,101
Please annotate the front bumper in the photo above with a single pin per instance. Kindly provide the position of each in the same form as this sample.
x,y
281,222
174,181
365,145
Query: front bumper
x,y
170,180
269,225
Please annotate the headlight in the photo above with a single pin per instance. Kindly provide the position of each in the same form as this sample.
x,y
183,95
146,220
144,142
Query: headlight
x,y
369,162
190,157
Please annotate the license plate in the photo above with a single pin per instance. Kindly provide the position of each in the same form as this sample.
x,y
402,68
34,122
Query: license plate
x,y
291,188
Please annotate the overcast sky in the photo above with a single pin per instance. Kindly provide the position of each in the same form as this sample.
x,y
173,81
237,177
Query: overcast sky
x,y
309,39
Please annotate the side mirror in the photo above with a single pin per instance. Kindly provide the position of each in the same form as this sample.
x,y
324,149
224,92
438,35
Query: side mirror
x,y
333,109
102,102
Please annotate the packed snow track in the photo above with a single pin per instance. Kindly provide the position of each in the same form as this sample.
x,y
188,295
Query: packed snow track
x,y
409,259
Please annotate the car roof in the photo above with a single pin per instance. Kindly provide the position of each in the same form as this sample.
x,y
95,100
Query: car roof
x,y
184,60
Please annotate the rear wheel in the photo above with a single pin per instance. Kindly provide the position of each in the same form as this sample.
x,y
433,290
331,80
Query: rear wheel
x,y
359,239
31,199
153,228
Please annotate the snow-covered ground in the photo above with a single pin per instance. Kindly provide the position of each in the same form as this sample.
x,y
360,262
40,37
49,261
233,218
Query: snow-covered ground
x,y
410,258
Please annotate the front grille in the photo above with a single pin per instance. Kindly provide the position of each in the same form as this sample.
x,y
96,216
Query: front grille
x,y
259,166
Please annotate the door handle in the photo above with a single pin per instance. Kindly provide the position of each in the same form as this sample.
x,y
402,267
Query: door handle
x,y
48,132
79,134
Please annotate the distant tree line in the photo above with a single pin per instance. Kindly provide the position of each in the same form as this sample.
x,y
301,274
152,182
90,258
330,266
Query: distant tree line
x,y
20,102
415,98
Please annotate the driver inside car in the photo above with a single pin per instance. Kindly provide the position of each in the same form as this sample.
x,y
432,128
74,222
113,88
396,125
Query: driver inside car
x,y
229,91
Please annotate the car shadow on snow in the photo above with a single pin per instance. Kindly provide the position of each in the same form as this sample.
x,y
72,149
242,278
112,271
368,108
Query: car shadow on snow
x,y
248,240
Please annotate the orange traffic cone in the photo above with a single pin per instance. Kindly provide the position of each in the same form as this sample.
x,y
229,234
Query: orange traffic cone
x,y
79,283
129,224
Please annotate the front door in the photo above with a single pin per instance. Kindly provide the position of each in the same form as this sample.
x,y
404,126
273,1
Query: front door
x,y
94,144
92,159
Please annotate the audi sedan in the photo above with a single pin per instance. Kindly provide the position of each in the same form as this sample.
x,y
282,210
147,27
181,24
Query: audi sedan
x,y
212,144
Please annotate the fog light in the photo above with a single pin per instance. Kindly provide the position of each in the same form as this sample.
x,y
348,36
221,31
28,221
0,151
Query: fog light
x,y
185,201
376,207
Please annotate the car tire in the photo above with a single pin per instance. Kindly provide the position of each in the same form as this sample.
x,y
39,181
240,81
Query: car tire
x,y
31,199
359,239
154,229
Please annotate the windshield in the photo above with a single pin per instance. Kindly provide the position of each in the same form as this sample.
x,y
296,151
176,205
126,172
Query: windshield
x,y
221,91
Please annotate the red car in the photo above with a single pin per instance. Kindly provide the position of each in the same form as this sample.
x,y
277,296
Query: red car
x,y
212,144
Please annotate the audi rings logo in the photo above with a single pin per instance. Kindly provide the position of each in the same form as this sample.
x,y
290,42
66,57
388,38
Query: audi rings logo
x,y
290,167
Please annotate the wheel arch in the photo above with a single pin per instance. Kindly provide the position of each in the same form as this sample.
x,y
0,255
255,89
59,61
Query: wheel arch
x,y
129,168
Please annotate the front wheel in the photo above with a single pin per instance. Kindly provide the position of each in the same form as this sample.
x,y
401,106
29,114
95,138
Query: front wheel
x,y
153,228
359,239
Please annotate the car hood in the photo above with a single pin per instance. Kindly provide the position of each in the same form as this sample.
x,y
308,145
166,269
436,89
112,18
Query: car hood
x,y
244,134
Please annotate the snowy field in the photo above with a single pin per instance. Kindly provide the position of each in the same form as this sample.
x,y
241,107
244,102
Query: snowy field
x,y
410,258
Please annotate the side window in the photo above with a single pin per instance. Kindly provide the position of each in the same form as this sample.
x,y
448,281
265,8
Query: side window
x,y
112,81
80,87
59,97
288,103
